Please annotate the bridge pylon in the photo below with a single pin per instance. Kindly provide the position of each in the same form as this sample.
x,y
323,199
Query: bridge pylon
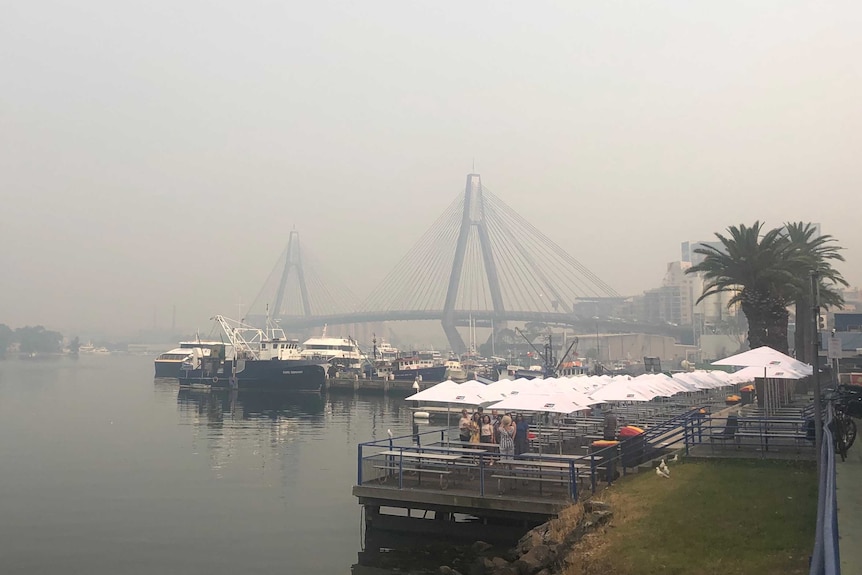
x,y
473,219
292,262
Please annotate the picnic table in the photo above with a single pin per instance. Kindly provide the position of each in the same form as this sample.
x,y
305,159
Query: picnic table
x,y
420,462
557,472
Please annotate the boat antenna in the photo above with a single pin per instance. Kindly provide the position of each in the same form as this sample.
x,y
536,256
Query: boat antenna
x,y
565,355
542,355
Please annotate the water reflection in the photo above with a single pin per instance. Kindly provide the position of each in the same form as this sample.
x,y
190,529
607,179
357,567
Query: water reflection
x,y
387,552
238,405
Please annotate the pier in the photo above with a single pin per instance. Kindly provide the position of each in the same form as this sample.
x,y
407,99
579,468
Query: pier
x,y
428,483
372,385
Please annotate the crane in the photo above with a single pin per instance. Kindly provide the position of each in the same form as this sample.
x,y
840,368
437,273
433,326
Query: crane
x,y
235,330
548,367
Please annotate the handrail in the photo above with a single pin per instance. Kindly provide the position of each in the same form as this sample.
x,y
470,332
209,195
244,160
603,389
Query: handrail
x,y
398,448
825,559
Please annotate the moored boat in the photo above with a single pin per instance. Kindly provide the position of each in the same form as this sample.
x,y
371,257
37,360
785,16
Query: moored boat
x,y
168,364
418,368
336,351
254,360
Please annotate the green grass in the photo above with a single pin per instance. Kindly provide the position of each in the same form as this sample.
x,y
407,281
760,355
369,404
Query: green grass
x,y
710,517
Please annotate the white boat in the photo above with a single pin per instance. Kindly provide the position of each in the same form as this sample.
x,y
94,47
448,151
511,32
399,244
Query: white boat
x,y
455,371
342,351
90,349
385,351
168,364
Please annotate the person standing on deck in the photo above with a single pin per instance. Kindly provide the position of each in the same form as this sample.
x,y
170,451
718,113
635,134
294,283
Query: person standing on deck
x,y
486,430
508,435
522,436
464,426
475,427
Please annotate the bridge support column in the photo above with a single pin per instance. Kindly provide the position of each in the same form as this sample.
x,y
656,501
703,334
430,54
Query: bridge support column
x,y
473,217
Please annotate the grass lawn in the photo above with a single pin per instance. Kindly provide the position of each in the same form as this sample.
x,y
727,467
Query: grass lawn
x,y
722,517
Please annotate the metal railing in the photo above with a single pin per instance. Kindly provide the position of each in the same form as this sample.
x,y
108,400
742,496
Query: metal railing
x,y
410,460
761,434
825,559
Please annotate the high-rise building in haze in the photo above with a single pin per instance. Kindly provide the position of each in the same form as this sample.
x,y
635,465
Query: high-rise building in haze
x,y
688,254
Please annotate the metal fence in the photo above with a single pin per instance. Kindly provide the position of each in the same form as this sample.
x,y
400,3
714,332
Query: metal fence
x,y
428,460
826,559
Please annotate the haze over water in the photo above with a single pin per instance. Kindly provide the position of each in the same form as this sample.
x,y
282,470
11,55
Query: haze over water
x,y
105,471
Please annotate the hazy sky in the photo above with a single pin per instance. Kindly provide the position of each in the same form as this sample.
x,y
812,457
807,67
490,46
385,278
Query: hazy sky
x,y
157,153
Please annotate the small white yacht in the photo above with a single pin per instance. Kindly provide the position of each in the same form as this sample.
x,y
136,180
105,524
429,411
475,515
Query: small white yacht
x,y
168,364
335,350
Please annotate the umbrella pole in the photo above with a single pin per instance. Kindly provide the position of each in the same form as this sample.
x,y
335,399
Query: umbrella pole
x,y
448,426
538,436
560,427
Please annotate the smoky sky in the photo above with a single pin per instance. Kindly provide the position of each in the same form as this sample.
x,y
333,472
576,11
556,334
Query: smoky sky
x,y
157,154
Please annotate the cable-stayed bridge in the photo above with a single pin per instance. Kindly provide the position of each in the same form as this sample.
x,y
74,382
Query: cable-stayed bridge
x,y
479,262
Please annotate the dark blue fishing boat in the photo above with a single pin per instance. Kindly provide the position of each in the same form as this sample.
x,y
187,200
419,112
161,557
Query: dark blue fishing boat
x,y
253,360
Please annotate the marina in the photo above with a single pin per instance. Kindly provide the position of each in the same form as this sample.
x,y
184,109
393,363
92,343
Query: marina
x,y
254,360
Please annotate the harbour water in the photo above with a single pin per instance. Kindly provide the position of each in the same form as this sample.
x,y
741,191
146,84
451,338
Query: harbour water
x,y
105,470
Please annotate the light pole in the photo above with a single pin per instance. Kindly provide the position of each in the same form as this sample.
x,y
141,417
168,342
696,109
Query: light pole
x,y
598,349
818,408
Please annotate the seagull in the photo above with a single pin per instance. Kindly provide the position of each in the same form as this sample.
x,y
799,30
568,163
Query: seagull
x,y
661,473
389,431
663,467
675,457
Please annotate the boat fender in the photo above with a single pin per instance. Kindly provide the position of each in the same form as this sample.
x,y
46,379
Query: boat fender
x,y
420,415
215,380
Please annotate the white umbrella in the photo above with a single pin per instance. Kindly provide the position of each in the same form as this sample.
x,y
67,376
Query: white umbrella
x,y
545,402
750,372
561,402
621,389
765,358
435,393
499,389
449,392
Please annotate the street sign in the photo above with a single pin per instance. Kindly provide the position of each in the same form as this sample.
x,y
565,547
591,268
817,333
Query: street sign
x,y
834,349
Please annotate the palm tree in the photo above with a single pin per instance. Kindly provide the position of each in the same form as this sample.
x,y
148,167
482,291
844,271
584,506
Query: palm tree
x,y
818,252
762,272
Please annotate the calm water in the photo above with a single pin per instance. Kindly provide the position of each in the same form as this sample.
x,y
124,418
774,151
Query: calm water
x,y
105,471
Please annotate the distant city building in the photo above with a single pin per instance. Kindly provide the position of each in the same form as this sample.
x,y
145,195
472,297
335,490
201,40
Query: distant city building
x,y
601,307
661,305
688,254
689,287
675,302
852,299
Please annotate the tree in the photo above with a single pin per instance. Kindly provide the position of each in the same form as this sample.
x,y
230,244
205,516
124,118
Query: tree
x,y
763,274
7,336
818,252
38,340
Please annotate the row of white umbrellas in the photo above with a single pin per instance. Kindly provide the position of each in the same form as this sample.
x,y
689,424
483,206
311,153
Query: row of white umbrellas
x,y
576,393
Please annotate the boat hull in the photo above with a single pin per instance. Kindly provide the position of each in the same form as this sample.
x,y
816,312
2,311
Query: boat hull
x,y
168,368
435,373
260,375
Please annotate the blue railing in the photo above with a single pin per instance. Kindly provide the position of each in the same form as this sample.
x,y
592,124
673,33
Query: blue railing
x,y
407,455
401,456
674,430
826,559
